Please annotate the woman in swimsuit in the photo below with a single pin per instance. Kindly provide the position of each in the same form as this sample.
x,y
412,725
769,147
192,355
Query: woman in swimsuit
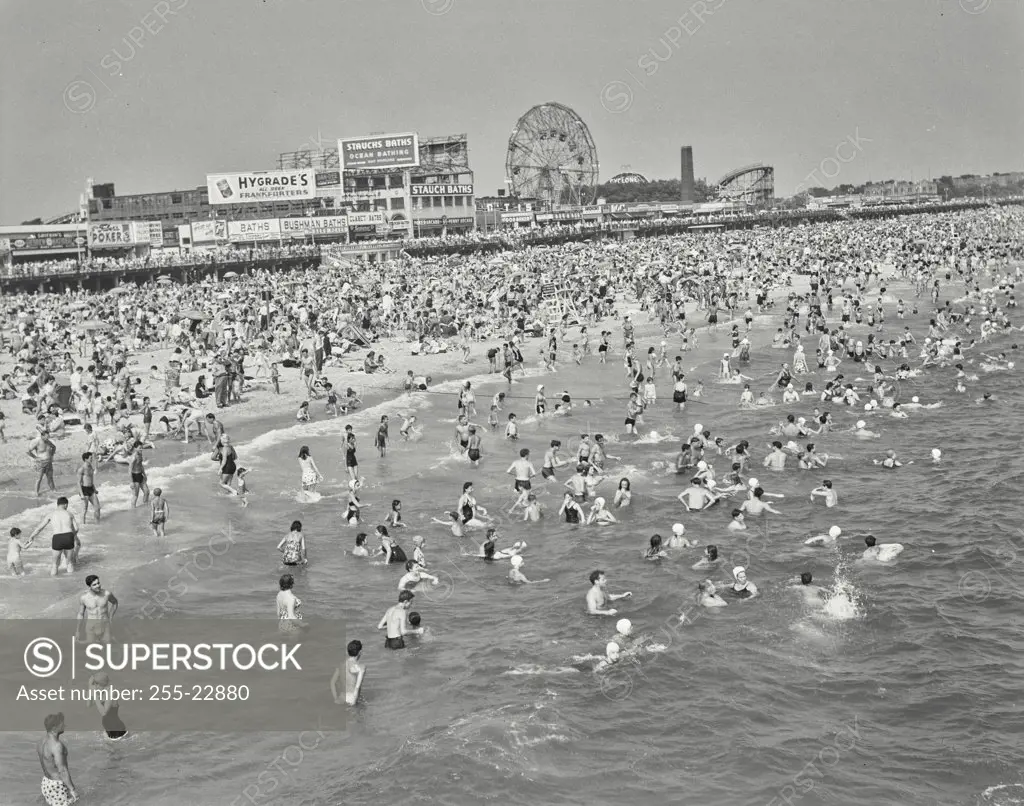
x,y
393,553
289,619
467,504
395,515
655,550
310,473
228,459
108,709
572,511
293,546
623,495
351,463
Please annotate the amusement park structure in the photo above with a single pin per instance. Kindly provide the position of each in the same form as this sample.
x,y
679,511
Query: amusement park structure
x,y
628,178
551,156
751,184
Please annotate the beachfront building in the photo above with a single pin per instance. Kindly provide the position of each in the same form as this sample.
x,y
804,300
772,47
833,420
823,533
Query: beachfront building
x,y
433,197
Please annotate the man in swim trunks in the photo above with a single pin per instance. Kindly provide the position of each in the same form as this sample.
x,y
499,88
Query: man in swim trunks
x,y
65,542
87,484
96,609
523,470
551,460
473,449
57,787
396,622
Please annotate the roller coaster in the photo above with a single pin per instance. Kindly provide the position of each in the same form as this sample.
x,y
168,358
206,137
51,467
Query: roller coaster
x,y
751,184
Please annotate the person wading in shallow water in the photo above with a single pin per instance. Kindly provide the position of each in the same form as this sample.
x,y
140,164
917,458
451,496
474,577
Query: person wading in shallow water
x,y
57,787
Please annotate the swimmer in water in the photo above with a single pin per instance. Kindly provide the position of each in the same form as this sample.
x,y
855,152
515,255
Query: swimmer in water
x,y
881,553
707,596
454,522
829,539
813,595
755,506
709,560
532,512
890,462
413,576
697,497
737,524
679,539
360,550
598,597
655,551
742,588
600,515
861,431
936,456
825,492
517,577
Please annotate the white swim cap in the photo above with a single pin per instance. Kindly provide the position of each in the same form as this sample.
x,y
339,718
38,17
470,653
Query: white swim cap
x,y
678,528
834,532
867,407
752,482
352,484
624,626
739,569
936,453
915,399
599,502
702,465
801,420
861,423
698,428
540,386
664,343
517,561
612,650
1009,364
725,355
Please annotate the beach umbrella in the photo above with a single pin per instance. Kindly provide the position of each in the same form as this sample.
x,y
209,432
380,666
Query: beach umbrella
x,y
165,281
230,274
165,277
121,289
94,324
198,316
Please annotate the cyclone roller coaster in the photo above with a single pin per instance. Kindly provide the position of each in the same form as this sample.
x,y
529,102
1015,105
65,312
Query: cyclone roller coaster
x,y
751,184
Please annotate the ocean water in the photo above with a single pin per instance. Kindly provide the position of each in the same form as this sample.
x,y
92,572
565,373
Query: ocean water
x,y
904,689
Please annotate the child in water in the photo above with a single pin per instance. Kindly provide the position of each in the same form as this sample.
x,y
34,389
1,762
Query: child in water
x,y
14,548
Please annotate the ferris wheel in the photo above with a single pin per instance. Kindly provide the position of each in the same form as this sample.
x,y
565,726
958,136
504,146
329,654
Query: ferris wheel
x,y
552,157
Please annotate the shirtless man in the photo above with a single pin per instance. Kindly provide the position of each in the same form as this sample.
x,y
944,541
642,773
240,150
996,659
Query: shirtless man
x,y
96,609
65,542
396,622
825,491
522,469
813,595
776,460
598,597
57,787
462,433
551,460
353,671
697,497
755,506
87,484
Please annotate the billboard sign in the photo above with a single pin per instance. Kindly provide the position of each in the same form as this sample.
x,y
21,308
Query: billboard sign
x,y
379,152
261,186
516,218
317,225
110,235
209,231
41,241
440,190
328,179
264,229
372,219
151,232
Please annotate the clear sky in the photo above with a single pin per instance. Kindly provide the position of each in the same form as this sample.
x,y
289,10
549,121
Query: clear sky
x,y
914,87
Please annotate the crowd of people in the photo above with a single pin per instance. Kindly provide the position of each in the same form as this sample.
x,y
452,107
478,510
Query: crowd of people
x,y
959,267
